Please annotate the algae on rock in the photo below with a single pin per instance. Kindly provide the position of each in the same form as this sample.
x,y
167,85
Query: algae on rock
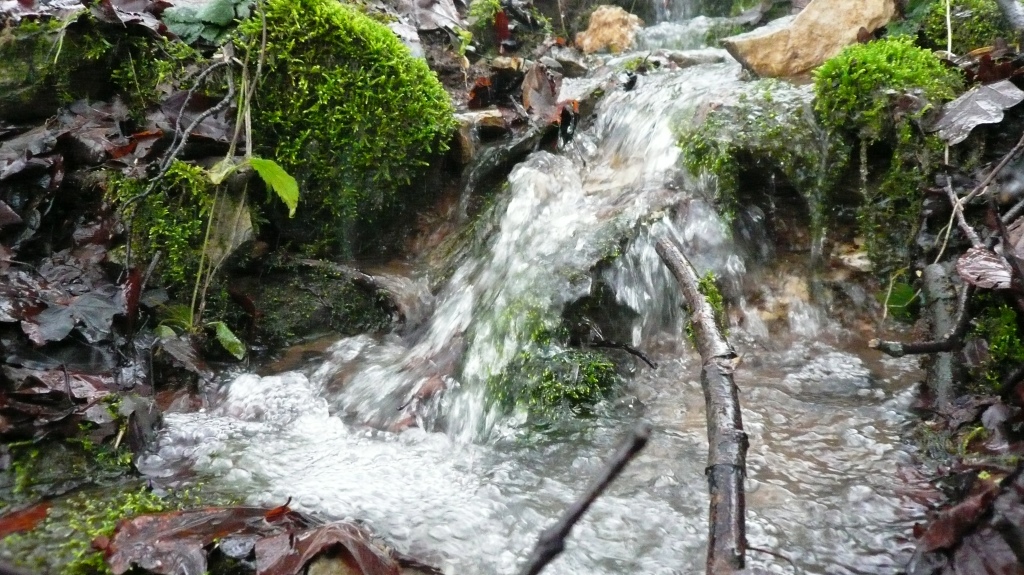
x,y
345,108
769,126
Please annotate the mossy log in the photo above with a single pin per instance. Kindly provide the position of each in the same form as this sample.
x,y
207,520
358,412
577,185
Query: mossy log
x,y
727,442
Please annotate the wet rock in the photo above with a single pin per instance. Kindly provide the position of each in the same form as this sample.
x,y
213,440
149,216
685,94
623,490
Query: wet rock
x,y
569,61
688,58
427,15
473,125
795,45
611,29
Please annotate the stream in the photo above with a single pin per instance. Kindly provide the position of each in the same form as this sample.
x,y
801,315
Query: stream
x,y
469,488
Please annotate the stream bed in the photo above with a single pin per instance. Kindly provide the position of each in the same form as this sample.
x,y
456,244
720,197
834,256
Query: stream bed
x,y
469,488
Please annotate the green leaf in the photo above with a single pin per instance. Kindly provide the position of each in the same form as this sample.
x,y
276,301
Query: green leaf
x,y
229,340
219,12
279,180
163,332
900,301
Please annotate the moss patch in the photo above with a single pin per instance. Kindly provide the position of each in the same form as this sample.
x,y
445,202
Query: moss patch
x,y
998,325
974,23
769,127
347,110
551,379
876,93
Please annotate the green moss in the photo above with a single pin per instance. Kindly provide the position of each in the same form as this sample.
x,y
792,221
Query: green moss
x,y
999,326
346,109
312,302
707,285
770,127
854,91
975,24
46,63
876,93
550,379
482,14
150,69
170,220
62,542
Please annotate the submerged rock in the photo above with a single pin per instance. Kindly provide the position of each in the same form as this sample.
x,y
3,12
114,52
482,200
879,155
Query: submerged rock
x,y
794,45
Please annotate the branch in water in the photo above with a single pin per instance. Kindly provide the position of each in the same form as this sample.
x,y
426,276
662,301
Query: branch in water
x,y
727,442
949,342
626,348
552,540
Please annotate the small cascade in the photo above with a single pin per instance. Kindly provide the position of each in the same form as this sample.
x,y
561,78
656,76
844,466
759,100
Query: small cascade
x,y
465,486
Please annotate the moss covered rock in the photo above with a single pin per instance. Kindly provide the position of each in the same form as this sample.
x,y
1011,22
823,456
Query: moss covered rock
x,y
767,127
974,24
347,110
876,93
45,64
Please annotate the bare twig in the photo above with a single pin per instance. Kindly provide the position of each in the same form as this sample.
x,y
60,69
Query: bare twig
x,y
176,150
552,540
958,211
999,167
626,348
727,442
1012,213
951,341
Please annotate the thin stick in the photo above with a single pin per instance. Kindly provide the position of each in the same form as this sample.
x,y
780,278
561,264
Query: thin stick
x,y
552,540
959,213
949,342
995,171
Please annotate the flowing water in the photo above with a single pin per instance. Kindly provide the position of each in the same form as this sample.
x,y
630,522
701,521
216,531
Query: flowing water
x,y
469,489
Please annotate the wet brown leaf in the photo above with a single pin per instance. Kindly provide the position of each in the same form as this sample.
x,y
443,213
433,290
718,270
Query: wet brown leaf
x,y
285,541
983,268
289,553
955,523
980,105
24,519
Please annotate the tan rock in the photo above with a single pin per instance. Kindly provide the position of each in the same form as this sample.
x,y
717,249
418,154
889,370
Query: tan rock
x,y
795,45
611,28
467,141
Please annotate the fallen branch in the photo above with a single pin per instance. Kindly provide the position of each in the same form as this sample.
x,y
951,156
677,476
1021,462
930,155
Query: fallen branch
x,y
1016,149
727,442
951,341
552,540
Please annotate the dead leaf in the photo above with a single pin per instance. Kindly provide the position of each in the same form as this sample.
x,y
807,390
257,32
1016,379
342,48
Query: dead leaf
x,y
285,541
540,92
289,553
980,105
24,519
983,268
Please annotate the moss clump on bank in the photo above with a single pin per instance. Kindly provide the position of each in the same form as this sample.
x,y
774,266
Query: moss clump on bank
x,y
47,63
998,325
875,94
974,24
169,220
346,109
